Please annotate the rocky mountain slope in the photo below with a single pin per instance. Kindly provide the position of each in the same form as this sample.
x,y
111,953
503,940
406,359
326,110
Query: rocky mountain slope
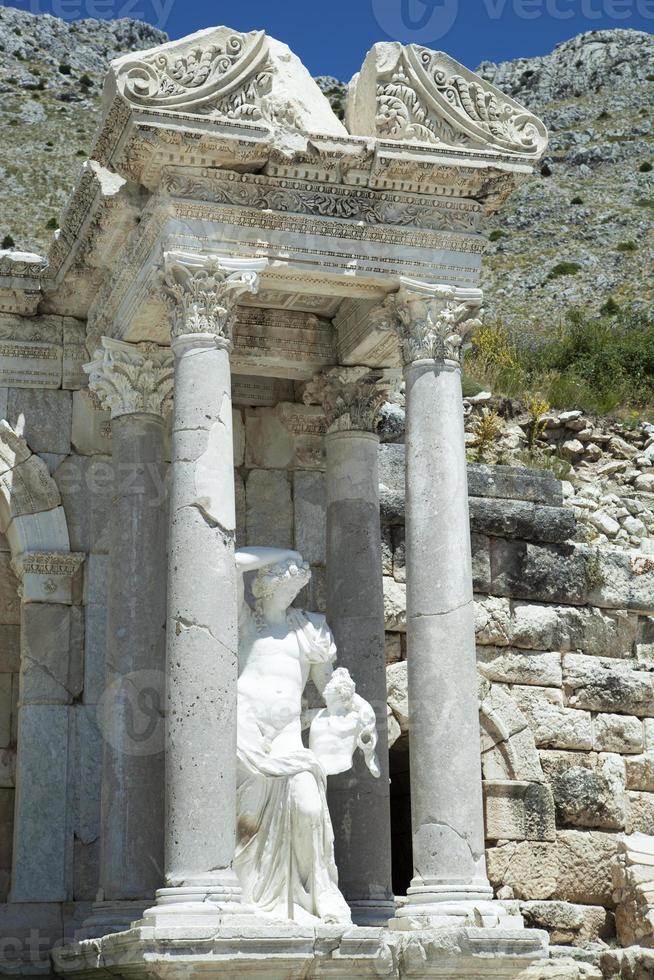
x,y
584,230
51,75
581,232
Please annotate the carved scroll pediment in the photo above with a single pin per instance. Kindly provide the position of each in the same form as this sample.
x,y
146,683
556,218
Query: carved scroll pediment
x,y
425,96
227,76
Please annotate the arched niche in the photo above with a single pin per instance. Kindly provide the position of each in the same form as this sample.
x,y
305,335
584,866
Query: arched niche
x,y
33,523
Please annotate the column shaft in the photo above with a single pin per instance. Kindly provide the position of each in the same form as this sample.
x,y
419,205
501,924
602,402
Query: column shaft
x,y
446,791
359,803
133,764
202,630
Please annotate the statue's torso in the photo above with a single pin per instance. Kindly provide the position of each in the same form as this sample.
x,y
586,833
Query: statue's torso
x,y
334,739
273,675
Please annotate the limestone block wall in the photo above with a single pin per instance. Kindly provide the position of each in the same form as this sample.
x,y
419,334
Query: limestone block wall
x,y
565,658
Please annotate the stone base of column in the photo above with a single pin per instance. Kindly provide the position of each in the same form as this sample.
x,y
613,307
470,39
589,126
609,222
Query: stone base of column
x,y
441,904
113,916
279,950
198,900
372,913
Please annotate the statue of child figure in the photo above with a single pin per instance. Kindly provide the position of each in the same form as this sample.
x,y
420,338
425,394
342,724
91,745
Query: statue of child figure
x,y
347,723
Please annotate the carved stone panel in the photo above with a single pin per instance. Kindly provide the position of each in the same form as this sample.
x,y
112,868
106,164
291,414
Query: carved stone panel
x,y
281,342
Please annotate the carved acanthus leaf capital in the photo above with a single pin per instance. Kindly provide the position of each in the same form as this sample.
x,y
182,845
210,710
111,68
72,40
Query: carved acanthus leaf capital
x,y
203,292
132,378
350,396
433,322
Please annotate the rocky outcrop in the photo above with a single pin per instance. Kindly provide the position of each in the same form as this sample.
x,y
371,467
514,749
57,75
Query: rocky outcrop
x,y
590,62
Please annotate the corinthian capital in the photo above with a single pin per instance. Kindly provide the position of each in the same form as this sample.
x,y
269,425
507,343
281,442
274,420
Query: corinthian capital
x,y
350,396
433,322
203,292
131,378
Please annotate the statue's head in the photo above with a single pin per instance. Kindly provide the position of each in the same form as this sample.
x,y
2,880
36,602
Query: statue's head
x,y
339,691
283,580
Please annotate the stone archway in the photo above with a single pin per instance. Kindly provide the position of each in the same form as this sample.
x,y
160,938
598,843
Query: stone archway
x,y
518,801
34,525
508,749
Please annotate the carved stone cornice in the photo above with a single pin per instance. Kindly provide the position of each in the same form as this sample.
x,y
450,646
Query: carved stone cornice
x,y
350,397
132,378
426,96
433,322
203,293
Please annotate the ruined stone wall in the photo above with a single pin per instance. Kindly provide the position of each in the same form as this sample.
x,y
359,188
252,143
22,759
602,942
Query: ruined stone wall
x,y
566,658
565,646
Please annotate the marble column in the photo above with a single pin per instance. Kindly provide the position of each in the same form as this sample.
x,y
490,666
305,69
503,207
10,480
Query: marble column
x,y
433,323
134,382
359,804
202,642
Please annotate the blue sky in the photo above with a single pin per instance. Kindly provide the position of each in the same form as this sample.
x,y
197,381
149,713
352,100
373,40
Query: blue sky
x,y
332,36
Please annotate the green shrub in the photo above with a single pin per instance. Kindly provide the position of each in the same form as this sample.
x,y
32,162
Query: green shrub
x,y
626,247
577,200
598,364
610,308
564,269
51,224
8,242
85,81
496,234
645,168
645,202
65,69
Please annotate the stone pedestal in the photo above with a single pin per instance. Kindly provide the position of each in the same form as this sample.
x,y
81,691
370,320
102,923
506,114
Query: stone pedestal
x,y
359,804
202,640
449,882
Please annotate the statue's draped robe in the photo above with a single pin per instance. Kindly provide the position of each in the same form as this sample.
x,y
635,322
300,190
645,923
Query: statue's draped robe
x,y
279,873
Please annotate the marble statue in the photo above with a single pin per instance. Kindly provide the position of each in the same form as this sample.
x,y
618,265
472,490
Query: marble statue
x,y
285,852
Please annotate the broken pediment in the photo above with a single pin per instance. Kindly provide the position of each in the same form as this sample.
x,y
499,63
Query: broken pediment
x,y
415,95
221,74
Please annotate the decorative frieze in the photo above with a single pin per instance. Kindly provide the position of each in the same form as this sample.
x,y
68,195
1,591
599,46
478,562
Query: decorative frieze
x,y
132,378
296,344
26,364
75,354
350,397
203,293
260,392
433,322
324,200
